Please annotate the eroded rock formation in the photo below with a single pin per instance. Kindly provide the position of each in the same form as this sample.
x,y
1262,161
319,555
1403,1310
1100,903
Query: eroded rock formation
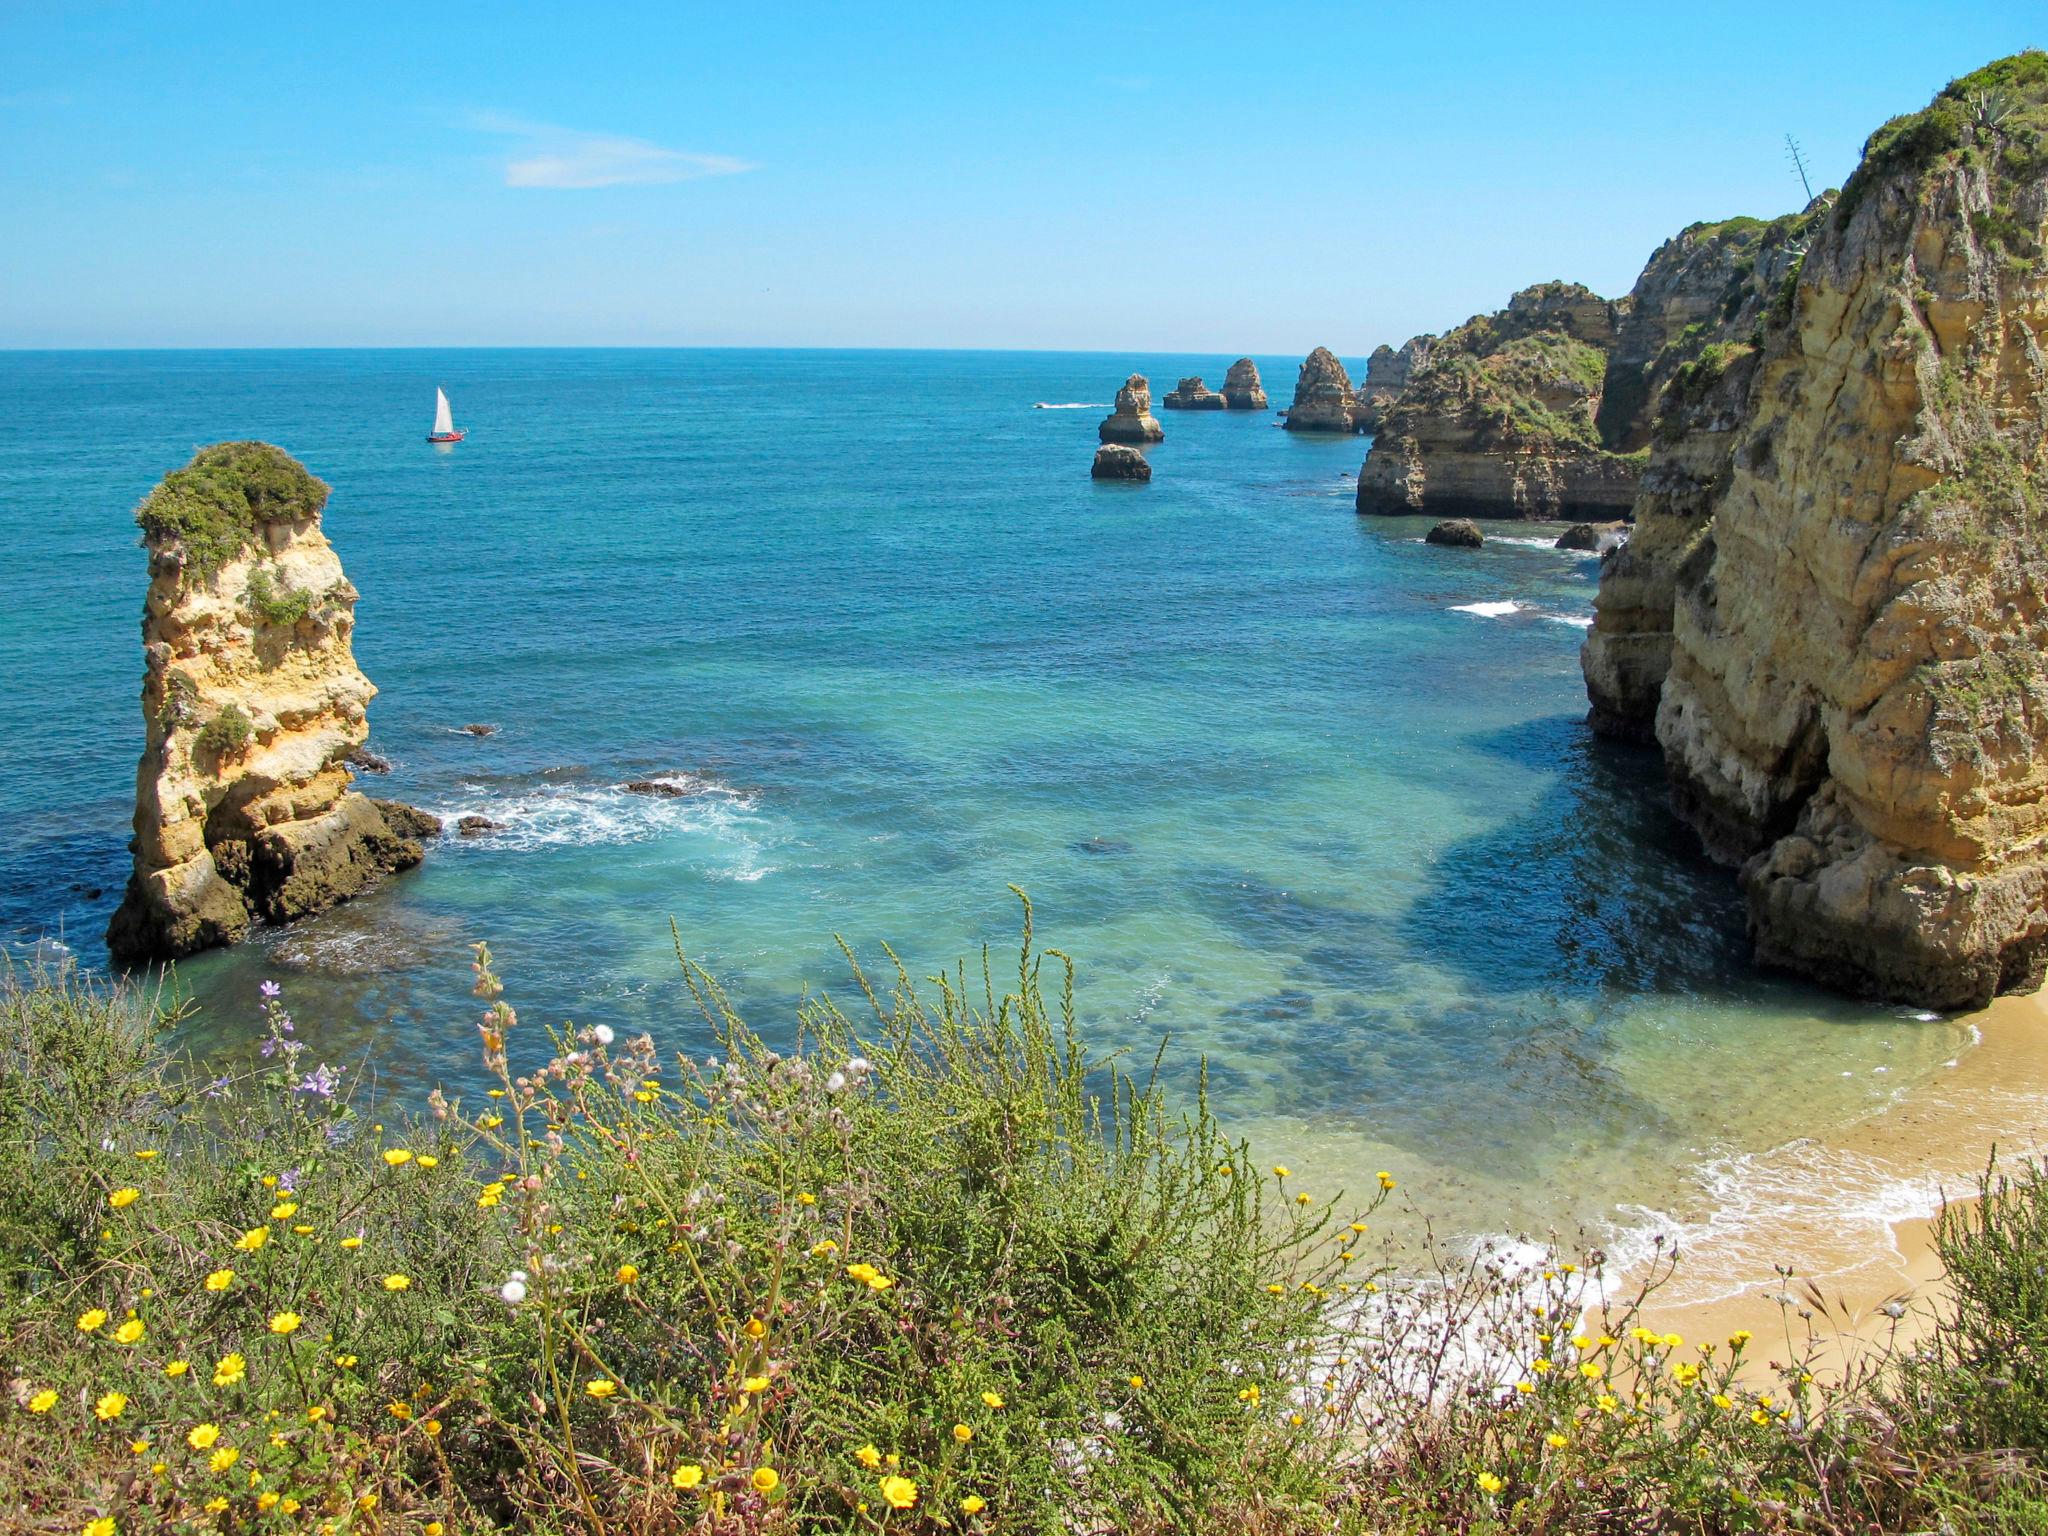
x,y
1678,380
1191,394
1500,419
1115,461
1387,373
1132,421
1323,398
251,703
1242,390
1457,532
1856,705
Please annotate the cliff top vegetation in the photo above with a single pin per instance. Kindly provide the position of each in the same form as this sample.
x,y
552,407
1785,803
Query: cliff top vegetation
x,y
211,508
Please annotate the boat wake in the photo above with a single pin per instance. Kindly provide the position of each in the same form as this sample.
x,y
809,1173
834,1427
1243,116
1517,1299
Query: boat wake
x,y
1069,405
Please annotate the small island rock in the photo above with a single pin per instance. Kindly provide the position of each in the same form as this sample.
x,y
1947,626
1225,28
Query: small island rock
x,y
1457,532
1114,461
1323,399
1133,421
1582,536
1193,395
1242,390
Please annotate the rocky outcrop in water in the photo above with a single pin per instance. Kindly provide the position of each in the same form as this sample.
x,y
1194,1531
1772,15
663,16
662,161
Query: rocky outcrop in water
x,y
1500,419
1132,421
1856,704
1387,373
1242,390
1457,532
1115,461
1191,394
251,703
1323,400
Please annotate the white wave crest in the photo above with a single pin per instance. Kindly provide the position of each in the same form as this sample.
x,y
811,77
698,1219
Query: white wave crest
x,y
1488,610
1576,620
720,828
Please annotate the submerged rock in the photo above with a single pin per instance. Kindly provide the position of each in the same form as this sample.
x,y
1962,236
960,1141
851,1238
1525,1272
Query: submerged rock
x,y
1458,532
478,730
1193,395
1132,421
252,702
1323,401
1580,536
477,826
1114,461
1242,390
363,760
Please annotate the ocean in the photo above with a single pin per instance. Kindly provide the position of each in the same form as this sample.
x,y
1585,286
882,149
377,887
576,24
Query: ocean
x,y
1299,793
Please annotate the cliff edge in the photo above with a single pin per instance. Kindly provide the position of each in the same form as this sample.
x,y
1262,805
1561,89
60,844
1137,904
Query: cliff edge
x,y
1856,706
251,698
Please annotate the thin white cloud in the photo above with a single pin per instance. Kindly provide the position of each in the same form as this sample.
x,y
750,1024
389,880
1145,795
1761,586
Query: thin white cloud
x,y
568,159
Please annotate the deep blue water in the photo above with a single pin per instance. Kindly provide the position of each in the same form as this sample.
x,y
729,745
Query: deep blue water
x,y
1260,773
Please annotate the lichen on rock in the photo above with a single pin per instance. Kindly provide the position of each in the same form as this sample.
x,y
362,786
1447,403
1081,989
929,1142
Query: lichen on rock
x,y
251,701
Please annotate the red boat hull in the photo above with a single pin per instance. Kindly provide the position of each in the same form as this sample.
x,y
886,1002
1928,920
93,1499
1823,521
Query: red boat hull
x,y
446,437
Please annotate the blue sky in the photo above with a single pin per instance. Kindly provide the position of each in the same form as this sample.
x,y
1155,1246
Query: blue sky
x,y
1244,177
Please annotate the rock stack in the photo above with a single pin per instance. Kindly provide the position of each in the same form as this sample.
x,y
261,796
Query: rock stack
x,y
1115,461
251,703
1242,390
1193,395
1323,400
1133,421
1387,373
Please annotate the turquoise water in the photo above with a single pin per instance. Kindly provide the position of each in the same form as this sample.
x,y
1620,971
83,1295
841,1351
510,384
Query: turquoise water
x,y
1262,774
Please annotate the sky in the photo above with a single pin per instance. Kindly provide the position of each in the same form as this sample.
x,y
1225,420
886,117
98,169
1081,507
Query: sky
x,y
1251,177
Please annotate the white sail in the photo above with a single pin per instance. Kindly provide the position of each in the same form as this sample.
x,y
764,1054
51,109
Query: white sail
x,y
444,419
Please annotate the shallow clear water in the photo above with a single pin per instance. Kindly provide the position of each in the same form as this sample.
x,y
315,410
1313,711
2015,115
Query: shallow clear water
x,y
1262,767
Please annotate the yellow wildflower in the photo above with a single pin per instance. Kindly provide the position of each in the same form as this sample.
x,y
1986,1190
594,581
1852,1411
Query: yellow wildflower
x,y
1555,1441
755,1328
1488,1483
601,1388
110,1406
266,1501
973,1504
1739,1337
427,1160
224,1458
901,1492
1605,1403
90,1320
766,1479
1386,1179
43,1401
396,1157
121,1199
284,1210
203,1436
867,1455
688,1475
963,1433
992,1399
130,1331
175,1367
232,1368
754,1384
396,1282
103,1526
626,1274
285,1322
1590,1369
1137,1383
220,1279
351,1242
253,1239
1282,1171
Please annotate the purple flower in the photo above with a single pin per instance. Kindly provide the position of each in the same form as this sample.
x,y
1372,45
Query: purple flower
x,y
271,989
321,1082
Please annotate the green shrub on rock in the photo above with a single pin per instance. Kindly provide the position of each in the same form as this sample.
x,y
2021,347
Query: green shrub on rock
x,y
211,507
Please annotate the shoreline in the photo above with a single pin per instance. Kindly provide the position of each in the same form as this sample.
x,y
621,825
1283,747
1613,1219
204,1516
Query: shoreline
x,y
1885,1178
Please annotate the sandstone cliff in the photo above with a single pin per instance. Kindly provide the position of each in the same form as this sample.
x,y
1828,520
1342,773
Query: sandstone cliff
x,y
1857,701
1242,390
1387,373
1323,400
1501,419
1677,380
1191,394
1132,421
251,700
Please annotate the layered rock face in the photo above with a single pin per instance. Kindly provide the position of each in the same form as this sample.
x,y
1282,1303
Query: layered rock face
x,y
251,701
1132,421
1387,373
1323,399
1114,461
1192,394
1500,419
1857,698
1678,379
1242,390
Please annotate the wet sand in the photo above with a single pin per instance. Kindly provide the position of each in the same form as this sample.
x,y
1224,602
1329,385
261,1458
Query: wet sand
x,y
1851,1216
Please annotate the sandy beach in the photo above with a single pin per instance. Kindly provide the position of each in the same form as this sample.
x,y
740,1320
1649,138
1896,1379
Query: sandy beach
x,y
1856,1221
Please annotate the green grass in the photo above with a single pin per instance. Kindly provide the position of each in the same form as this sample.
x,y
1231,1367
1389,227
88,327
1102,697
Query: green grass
x,y
932,1266
228,732
210,509
281,606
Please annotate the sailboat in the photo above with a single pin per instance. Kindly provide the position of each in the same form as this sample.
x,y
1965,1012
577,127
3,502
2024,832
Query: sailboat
x,y
444,421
